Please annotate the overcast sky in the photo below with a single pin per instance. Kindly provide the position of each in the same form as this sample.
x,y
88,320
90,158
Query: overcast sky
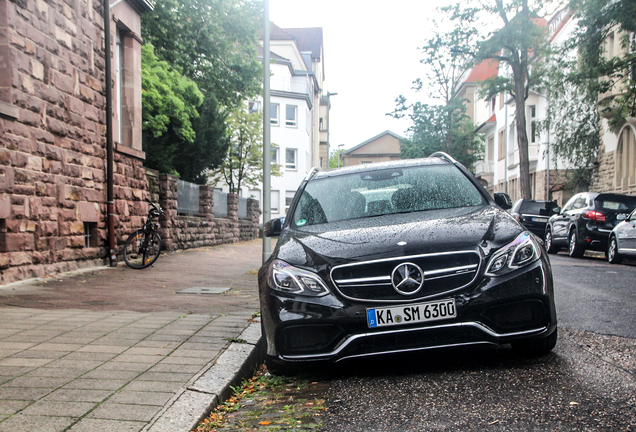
x,y
371,57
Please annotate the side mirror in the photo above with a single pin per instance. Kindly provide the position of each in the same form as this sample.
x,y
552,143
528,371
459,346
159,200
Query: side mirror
x,y
273,228
556,210
503,200
621,217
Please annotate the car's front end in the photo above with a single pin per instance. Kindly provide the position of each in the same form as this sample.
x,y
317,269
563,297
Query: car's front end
x,y
405,281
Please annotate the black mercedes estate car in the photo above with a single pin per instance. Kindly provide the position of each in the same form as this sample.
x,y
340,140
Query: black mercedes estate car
x,y
401,256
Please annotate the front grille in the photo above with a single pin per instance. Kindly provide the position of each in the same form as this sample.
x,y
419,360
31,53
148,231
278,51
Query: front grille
x,y
371,280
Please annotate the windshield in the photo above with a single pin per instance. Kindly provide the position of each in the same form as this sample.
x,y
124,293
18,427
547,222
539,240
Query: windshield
x,y
374,193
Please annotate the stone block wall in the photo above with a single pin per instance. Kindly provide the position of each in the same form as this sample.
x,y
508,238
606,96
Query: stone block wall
x,y
187,232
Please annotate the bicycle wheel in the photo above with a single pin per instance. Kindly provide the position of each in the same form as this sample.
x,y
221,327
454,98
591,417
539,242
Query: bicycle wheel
x,y
142,249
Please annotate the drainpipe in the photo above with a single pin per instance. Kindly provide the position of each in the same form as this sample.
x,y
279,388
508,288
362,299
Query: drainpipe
x,y
110,205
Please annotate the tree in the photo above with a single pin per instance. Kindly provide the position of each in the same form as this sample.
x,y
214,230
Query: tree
x,y
335,158
169,106
597,20
445,126
214,43
519,45
243,163
573,118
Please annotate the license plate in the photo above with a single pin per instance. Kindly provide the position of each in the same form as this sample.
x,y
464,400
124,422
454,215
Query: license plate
x,y
410,314
539,219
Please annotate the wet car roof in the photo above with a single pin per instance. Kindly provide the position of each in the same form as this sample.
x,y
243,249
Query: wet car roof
x,y
402,163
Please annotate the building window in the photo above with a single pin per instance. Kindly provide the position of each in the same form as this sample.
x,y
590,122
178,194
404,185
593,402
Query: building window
x,y
533,123
289,196
501,146
626,159
274,156
90,234
119,83
322,124
364,162
290,159
291,116
273,114
254,106
490,151
275,201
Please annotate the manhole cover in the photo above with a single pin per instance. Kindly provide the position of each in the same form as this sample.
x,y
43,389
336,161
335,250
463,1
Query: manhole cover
x,y
203,290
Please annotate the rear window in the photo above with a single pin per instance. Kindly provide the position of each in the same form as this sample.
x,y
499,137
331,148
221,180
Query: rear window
x,y
623,204
375,193
537,208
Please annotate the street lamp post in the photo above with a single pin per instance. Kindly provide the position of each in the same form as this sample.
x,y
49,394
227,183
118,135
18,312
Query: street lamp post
x,y
338,153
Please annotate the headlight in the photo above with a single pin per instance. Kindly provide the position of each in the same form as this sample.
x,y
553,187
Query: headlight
x,y
522,251
290,279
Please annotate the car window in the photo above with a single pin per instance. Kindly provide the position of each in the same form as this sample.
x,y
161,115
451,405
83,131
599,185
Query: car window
x,y
579,203
569,204
536,208
395,190
623,204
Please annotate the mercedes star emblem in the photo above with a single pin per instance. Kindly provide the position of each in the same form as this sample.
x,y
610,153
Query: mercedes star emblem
x,y
407,278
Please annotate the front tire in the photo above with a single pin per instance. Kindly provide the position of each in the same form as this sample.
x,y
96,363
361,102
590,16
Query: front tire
x,y
536,347
142,249
575,250
549,245
612,252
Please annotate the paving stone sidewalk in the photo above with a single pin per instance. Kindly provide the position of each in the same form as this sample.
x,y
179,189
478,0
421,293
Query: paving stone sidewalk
x,y
116,349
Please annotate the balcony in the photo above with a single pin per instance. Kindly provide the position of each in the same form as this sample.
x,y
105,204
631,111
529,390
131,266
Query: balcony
x,y
484,167
292,85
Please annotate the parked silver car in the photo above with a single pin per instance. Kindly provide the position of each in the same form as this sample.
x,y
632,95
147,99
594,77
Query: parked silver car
x,y
622,239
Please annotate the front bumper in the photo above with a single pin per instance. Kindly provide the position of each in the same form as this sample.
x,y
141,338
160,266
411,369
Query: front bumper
x,y
493,310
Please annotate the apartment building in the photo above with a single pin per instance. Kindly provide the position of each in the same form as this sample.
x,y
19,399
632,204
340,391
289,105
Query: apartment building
x,y
299,111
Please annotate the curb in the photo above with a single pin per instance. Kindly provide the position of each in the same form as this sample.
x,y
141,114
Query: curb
x,y
196,401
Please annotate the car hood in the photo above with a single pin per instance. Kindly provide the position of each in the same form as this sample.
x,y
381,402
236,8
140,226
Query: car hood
x,y
472,228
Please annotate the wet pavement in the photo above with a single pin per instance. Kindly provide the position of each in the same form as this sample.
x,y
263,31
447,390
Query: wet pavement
x,y
116,349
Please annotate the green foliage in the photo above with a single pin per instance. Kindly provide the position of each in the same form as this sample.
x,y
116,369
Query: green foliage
x,y
573,118
213,42
335,159
597,19
169,105
444,128
243,163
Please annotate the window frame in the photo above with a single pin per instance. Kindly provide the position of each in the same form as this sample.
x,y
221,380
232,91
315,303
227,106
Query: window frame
x,y
294,122
274,114
291,166
274,202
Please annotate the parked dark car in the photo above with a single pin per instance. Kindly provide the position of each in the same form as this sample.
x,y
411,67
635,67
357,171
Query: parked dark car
x,y
586,221
439,264
622,239
533,214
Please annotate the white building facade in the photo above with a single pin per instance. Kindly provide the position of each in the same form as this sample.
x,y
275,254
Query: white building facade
x,y
297,120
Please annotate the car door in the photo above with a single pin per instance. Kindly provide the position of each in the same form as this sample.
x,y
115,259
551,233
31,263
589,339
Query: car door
x,y
627,236
561,221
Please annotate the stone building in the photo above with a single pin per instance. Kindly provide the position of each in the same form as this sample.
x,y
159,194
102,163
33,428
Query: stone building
x,y
53,156
380,148
52,132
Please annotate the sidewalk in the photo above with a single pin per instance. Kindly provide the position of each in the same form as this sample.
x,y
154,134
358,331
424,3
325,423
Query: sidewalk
x,y
116,349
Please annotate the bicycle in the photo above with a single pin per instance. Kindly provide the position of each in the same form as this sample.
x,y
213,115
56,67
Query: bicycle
x,y
142,248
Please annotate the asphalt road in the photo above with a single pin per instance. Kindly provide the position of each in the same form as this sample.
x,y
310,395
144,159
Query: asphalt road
x,y
596,296
587,382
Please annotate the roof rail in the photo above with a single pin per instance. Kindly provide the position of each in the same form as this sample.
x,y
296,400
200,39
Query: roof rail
x,y
443,155
312,172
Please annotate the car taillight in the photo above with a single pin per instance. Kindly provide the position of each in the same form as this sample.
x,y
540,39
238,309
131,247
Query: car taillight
x,y
594,215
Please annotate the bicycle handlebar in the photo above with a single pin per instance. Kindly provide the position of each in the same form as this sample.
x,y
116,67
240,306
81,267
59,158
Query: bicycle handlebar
x,y
158,208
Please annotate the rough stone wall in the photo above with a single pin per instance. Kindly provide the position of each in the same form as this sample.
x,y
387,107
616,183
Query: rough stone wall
x,y
187,232
52,141
53,148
